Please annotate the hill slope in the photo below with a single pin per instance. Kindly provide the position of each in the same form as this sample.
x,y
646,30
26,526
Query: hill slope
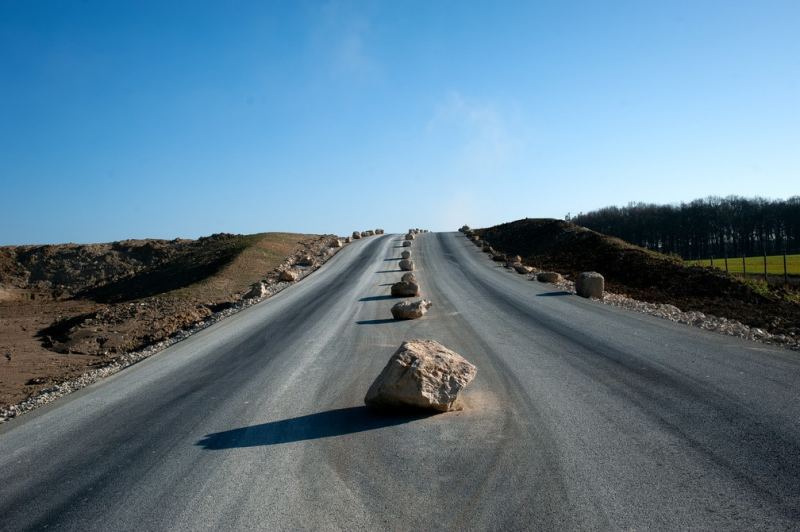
x,y
643,274
65,308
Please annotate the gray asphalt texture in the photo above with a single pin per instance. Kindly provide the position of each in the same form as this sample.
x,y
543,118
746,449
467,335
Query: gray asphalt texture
x,y
582,416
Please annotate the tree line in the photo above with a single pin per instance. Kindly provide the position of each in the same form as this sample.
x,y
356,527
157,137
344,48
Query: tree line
x,y
709,227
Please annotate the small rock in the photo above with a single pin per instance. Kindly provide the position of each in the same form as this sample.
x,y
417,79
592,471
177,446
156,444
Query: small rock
x,y
522,269
257,291
305,260
548,277
356,235
406,243
408,278
421,374
411,310
410,236
288,275
405,255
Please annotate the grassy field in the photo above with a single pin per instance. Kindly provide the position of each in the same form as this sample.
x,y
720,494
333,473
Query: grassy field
x,y
755,265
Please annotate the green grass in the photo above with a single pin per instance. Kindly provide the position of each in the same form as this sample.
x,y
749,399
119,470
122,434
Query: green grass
x,y
755,265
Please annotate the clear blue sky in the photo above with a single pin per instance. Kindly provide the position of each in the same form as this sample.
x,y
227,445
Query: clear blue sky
x,y
166,119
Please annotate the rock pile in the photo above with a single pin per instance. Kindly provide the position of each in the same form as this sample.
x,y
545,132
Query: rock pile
x,y
421,374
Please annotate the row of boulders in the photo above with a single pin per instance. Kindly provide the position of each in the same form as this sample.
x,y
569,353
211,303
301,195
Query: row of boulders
x,y
421,374
298,265
408,285
588,284
364,234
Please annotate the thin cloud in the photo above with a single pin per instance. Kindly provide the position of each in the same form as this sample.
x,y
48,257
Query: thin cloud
x,y
480,137
342,36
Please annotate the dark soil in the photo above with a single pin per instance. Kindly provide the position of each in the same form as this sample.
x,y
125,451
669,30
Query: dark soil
x,y
642,274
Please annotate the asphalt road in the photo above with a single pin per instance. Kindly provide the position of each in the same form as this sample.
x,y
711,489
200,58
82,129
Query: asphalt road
x,y
582,416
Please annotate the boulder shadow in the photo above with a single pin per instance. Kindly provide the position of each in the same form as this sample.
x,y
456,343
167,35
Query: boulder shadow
x,y
377,298
387,260
376,322
550,294
389,271
310,427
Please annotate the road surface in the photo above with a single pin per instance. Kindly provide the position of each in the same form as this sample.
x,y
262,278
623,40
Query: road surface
x,y
582,416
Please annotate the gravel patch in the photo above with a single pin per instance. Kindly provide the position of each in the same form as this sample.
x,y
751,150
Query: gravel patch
x,y
707,322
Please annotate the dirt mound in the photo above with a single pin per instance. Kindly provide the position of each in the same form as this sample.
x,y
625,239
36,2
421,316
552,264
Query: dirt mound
x,y
64,308
116,270
643,274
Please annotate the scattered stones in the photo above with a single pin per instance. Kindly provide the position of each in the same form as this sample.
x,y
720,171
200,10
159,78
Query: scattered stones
x,y
405,255
405,289
406,265
421,374
257,291
522,269
305,260
411,310
548,277
406,243
288,276
590,284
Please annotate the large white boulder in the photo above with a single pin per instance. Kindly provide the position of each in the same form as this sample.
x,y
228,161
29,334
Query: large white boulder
x,y
408,288
421,374
411,310
590,284
406,265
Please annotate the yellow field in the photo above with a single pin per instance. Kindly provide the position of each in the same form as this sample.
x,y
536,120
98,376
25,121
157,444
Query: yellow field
x,y
755,265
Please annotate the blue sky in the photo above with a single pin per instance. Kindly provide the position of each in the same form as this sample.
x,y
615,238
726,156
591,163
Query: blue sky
x,y
166,119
